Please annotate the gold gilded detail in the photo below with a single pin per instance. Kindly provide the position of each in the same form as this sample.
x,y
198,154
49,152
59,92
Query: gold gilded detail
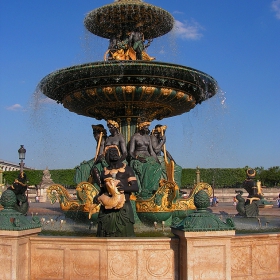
x,y
165,91
148,90
142,124
180,94
128,89
116,199
108,90
85,194
188,203
190,97
126,54
164,200
113,123
91,92
161,201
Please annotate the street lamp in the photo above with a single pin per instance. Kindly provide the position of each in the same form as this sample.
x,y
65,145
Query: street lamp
x,y
213,184
21,156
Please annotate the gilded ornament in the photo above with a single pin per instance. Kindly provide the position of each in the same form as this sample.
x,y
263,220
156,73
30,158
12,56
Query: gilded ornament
x,y
114,123
91,92
108,90
148,90
128,89
165,91
180,94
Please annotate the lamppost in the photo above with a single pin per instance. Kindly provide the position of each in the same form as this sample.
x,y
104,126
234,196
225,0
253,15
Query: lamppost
x,y
21,155
213,184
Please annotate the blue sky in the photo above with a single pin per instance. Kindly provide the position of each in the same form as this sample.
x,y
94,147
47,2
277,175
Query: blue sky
x,y
235,41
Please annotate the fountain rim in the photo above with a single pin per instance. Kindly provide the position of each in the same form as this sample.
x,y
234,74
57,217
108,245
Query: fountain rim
x,y
121,63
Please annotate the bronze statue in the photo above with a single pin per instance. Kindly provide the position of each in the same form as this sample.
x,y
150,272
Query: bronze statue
x,y
100,135
171,171
250,206
116,216
116,138
136,41
19,187
144,160
84,172
128,46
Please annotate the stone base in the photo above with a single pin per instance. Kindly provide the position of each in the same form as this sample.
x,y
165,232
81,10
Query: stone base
x,y
15,254
205,255
194,255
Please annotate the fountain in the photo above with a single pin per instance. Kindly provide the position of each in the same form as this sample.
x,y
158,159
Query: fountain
x,y
129,86
126,86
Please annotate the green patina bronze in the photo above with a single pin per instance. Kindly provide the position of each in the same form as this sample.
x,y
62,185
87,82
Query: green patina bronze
x,y
13,220
201,219
249,206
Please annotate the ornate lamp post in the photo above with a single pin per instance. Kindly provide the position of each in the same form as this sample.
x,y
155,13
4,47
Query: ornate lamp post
x,y
21,155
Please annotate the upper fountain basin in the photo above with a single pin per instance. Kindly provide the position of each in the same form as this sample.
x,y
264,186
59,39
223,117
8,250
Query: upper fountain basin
x,y
126,15
112,89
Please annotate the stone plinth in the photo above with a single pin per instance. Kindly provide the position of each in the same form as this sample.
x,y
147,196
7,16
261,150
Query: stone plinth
x,y
205,255
15,254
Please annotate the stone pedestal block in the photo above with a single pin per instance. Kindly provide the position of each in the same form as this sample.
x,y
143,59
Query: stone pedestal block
x,y
15,254
205,255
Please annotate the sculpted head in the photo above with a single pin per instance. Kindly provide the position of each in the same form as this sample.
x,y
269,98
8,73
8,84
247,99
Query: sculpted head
x,y
112,153
97,129
113,126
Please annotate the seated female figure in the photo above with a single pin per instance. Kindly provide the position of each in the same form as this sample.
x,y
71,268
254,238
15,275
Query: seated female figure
x,y
144,161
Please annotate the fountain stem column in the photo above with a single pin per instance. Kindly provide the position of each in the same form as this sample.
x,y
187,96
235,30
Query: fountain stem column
x,y
128,126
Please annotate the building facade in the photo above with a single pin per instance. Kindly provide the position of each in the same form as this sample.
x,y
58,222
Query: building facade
x,y
10,166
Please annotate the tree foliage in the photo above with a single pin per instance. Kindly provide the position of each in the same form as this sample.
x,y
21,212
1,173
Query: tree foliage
x,y
269,177
219,177
63,177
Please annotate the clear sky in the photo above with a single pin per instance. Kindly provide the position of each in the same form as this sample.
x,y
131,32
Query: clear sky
x,y
235,41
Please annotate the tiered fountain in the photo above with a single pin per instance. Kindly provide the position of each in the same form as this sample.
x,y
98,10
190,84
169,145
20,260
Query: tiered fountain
x,y
126,86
